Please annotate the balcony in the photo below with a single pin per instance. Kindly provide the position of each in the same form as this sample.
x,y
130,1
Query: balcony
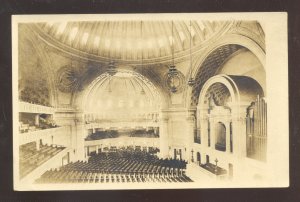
x,y
35,108
42,134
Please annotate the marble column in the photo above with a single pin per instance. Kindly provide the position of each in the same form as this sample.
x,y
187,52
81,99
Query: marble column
x,y
190,135
212,132
228,137
203,129
163,137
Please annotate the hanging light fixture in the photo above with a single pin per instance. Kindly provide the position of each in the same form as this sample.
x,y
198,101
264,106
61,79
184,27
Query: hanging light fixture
x,y
142,89
172,67
173,72
112,69
191,80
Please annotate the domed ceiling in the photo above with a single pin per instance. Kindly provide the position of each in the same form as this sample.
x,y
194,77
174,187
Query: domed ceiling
x,y
125,91
130,40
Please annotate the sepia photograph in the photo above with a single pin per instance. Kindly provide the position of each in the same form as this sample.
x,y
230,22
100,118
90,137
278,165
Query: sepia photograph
x,y
150,101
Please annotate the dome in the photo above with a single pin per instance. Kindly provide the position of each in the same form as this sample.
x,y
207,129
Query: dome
x,y
129,41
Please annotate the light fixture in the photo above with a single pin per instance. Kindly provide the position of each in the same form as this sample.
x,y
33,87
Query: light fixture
x,y
142,89
172,67
191,80
172,75
112,69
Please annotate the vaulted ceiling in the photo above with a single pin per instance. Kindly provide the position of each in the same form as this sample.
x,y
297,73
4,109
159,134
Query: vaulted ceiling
x,y
125,91
130,40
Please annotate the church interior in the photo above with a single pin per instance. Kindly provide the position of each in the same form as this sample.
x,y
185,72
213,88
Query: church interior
x,y
161,102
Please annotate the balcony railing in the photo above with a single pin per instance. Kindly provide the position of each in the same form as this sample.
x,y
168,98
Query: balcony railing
x,y
35,108
42,134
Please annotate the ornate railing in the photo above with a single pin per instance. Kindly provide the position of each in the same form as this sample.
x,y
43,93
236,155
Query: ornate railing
x,y
35,108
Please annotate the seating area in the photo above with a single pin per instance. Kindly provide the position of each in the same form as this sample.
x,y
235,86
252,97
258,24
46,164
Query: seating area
x,y
144,133
35,94
29,127
126,133
31,158
119,166
27,123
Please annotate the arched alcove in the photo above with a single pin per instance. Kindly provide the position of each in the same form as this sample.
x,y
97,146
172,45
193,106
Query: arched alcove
x,y
222,110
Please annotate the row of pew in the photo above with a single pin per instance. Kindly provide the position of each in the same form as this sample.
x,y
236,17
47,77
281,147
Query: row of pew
x,y
30,157
62,176
119,166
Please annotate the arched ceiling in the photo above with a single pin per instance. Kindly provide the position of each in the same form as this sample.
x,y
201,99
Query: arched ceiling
x,y
220,92
124,91
210,68
130,40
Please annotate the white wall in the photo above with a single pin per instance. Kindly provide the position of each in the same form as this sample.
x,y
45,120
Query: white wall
x,y
245,63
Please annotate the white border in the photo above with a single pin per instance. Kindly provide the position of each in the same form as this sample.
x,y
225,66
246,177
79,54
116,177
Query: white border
x,y
275,28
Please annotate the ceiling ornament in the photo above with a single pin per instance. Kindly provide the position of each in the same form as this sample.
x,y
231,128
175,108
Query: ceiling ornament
x,y
68,79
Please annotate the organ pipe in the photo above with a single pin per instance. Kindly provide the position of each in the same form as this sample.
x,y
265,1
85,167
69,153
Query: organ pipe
x,y
256,127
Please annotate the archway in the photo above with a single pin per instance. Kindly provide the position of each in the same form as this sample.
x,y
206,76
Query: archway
x,y
210,62
125,107
222,110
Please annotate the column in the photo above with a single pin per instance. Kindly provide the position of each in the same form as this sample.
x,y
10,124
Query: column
x,y
78,134
228,136
163,137
203,130
37,120
190,135
97,147
212,132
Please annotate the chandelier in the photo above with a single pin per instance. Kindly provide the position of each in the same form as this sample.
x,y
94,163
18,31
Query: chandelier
x,y
112,69
142,89
191,80
172,75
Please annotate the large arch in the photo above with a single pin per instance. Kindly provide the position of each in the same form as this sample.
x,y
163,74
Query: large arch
x,y
45,61
242,91
208,64
83,97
